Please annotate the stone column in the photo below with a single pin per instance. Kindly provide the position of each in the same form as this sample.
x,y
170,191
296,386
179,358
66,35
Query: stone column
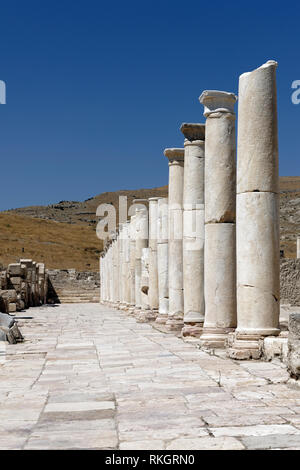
x,y
127,265
121,266
298,247
153,276
145,285
115,271
220,212
101,277
193,229
132,261
162,260
141,242
176,170
258,249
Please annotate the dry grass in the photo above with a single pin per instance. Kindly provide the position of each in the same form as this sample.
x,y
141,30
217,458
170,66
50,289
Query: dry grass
x,y
75,245
59,245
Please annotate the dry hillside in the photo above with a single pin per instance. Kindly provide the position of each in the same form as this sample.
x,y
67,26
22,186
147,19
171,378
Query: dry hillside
x,y
59,245
63,234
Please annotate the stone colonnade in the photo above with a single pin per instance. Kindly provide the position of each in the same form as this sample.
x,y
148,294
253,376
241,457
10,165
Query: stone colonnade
x,y
205,260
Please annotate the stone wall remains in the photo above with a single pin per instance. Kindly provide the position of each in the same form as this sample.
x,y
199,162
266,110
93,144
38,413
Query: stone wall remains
x,y
290,281
71,286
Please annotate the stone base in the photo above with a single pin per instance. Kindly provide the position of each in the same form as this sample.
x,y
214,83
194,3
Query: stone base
x,y
194,330
131,310
214,338
242,347
161,318
146,316
276,346
174,324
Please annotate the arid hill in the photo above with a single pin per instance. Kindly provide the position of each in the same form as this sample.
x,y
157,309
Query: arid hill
x,y
63,234
84,213
59,245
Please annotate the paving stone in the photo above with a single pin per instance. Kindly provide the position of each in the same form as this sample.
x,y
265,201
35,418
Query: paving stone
x,y
143,445
73,385
260,430
276,441
79,406
206,443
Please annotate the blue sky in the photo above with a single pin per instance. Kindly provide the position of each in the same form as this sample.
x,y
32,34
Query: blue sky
x,y
96,90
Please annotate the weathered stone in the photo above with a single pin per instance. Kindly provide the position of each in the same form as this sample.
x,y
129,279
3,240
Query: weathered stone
x,y
293,358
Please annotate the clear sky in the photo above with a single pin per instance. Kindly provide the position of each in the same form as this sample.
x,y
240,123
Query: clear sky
x,y
96,90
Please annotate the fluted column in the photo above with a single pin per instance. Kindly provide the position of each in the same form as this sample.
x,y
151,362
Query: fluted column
x,y
220,213
175,209
258,250
193,229
153,276
162,260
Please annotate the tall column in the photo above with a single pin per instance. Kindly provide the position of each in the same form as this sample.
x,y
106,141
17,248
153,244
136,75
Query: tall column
x,y
193,229
109,266
176,170
145,285
101,264
162,260
115,271
153,276
258,249
141,242
121,266
298,247
132,261
220,212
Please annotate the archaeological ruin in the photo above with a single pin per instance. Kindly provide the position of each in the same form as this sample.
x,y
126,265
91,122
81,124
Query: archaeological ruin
x,y
205,262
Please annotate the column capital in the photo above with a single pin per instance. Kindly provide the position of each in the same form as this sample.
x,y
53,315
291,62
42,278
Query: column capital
x,y
217,102
174,154
193,131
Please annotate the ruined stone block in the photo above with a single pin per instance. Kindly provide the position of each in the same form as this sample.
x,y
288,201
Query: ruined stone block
x,y
294,345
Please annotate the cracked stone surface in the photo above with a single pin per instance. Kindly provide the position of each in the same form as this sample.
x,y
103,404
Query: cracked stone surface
x,y
89,377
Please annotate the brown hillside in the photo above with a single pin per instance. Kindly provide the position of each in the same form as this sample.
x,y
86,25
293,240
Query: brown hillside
x,y
72,243
84,213
59,245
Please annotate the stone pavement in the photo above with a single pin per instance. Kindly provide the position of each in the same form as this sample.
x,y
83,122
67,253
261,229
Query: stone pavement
x,y
89,377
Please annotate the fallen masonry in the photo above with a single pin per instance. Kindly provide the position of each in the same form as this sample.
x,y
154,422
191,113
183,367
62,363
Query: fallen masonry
x,y
23,285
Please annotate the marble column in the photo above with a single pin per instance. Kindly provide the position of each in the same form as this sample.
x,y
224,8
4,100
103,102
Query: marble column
x,y
127,288
153,276
220,213
175,210
162,260
298,247
109,266
132,261
101,264
141,242
121,266
116,271
144,287
258,249
193,229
